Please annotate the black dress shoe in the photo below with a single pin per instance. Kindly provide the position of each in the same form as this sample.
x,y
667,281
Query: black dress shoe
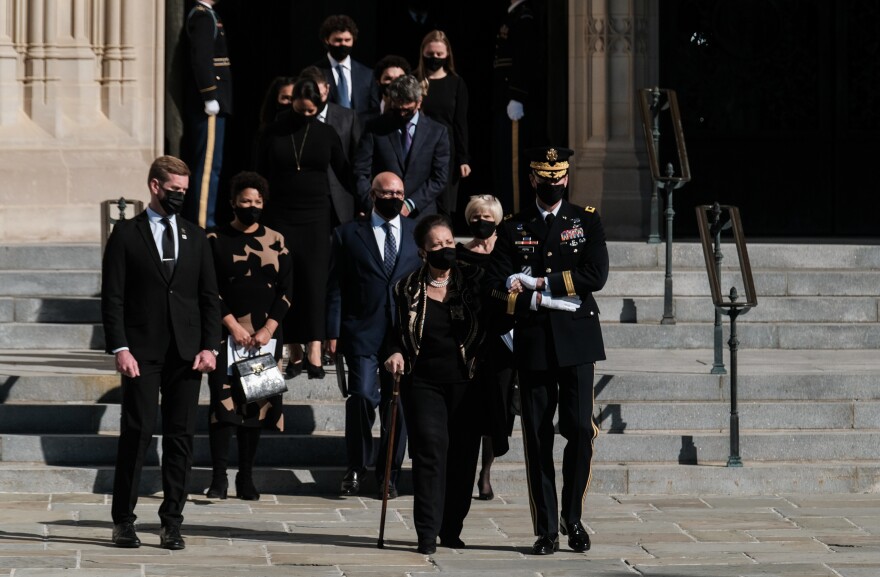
x,y
219,488
293,370
351,483
392,492
124,535
314,371
546,545
452,542
245,489
578,539
427,547
169,538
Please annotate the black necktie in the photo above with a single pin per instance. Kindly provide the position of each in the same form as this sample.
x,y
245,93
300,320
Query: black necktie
x,y
390,249
168,246
549,219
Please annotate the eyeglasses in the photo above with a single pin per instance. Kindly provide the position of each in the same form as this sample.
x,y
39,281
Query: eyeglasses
x,y
387,193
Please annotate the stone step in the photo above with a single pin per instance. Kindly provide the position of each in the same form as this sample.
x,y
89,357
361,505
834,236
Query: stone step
x,y
50,257
769,310
81,310
36,283
695,282
750,335
328,448
806,255
610,387
685,253
51,336
616,335
507,479
615,417
625,309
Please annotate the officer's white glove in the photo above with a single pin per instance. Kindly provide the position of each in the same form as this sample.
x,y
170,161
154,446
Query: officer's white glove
x,y
567,304
527,281
212,108
515,110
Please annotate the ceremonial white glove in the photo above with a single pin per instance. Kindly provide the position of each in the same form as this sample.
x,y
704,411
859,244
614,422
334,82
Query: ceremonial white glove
x,y
527,281
212,108
515,110
567,304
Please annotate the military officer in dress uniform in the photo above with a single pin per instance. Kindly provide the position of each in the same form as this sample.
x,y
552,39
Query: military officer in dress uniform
x,y
519,99
208,103
548,261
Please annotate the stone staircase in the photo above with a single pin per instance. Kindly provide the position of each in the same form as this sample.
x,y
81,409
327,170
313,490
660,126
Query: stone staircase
x,y
809,386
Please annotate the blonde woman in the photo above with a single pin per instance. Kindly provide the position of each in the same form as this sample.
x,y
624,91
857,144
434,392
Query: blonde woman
x,y
483,214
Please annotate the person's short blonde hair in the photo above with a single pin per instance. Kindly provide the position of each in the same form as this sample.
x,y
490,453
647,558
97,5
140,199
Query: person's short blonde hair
x,y
482,202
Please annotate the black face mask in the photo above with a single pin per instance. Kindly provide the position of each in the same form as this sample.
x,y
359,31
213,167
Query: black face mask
x,y
172,202
388,207
339,53
401,119
482,229
247,215
434,64
549,193
442,258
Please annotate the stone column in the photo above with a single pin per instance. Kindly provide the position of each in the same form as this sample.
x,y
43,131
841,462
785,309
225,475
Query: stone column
x,y
81,116
613,52
11,94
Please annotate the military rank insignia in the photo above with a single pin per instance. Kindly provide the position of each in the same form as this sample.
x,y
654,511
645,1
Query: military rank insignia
x,y
572,234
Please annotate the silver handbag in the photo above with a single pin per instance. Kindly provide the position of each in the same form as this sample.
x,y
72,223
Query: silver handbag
x,y
257,378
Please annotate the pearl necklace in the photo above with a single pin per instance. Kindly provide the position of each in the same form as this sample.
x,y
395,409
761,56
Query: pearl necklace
x,y
440,283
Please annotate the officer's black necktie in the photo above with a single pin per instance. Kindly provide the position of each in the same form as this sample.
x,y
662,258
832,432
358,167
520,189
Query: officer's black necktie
x,y
168,246
549,219
390,248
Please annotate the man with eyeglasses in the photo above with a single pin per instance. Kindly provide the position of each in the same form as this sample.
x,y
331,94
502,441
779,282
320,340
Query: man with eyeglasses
x,y
407,143
161,314
369,256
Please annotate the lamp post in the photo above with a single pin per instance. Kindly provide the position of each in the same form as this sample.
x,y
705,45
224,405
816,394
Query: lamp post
x,y
715,230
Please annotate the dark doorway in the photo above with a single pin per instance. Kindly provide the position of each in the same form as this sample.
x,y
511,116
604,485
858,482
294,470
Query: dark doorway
x,y
280,37
781,111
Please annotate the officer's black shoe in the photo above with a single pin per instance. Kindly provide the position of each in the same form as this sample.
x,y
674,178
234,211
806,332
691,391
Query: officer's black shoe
x,y
578,539
546,545
125,536
169,538
392,492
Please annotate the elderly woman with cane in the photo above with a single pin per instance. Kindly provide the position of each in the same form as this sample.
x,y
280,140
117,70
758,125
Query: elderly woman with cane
x,y
435,347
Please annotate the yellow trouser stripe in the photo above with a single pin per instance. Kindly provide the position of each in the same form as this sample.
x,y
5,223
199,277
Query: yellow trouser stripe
x,y
206,171
569,283
532,507
592,445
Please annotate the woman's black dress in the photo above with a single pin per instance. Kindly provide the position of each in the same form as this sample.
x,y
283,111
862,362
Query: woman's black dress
x,y
295,153
447,103
253,278
496,374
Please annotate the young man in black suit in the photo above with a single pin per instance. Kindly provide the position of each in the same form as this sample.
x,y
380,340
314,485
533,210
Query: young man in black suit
x,y
548,261
161,314
407,143
351,83
367,263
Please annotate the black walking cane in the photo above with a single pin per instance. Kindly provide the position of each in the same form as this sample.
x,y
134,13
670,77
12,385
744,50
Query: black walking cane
x,y
395,393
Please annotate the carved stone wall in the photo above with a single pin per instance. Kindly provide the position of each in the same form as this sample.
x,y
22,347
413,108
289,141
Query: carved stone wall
x,y
613,51
80,111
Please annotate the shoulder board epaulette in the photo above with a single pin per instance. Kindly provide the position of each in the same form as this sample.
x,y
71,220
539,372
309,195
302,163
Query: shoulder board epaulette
x,y
508,216
200,8
590,209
